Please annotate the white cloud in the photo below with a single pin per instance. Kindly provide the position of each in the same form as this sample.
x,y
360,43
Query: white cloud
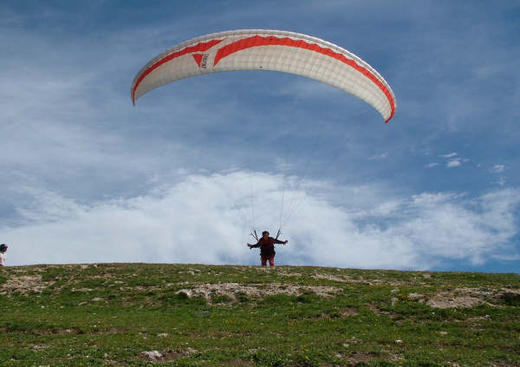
x,y
449,155
379,156
454,163
513,257
206,219
498,168
453,160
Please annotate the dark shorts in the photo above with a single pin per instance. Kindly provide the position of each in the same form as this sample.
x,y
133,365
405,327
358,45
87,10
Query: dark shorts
x,y
266,258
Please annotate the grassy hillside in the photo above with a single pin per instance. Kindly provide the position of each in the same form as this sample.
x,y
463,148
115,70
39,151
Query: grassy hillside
x,y
194,315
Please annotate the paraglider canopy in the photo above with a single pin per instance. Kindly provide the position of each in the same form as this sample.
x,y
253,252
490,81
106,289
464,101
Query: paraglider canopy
x,y
260,49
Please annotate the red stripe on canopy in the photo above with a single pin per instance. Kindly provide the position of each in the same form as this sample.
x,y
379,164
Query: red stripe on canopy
x,y
257,41
199,47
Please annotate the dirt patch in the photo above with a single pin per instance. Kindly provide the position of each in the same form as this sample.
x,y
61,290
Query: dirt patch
x,y
415,296
349,312
335,278
450,301
359,280
39,347
166,355
358,358
234,290
471,297
24,284
290,274
418,297
380,312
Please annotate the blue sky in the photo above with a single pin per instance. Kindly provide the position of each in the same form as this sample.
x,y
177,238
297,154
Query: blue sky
x,y
185,174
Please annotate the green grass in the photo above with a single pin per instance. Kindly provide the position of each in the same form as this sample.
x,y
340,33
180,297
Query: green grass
x,y
108,314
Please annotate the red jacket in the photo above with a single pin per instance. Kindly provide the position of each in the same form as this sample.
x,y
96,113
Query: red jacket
x,y
267,246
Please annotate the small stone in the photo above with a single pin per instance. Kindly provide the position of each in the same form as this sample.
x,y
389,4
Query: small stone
x,y
190,350
398,341
152,355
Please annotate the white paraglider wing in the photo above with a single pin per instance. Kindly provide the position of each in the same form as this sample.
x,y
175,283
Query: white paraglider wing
x,y
258,49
